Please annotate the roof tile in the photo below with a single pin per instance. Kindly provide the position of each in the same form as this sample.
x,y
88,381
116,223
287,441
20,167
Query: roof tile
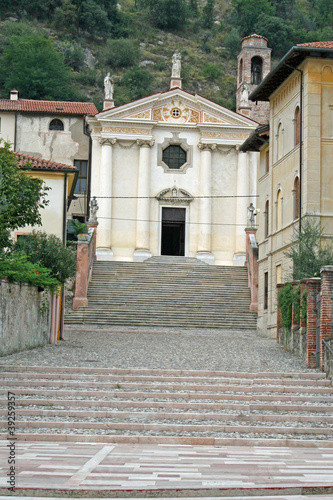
x,y
318,45
53,107
41,164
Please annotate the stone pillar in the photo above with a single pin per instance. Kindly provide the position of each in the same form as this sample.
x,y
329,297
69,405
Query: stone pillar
x,y
326,329
142,251
242,203
252,265
311,313
105,201
81,280
278,312
205,213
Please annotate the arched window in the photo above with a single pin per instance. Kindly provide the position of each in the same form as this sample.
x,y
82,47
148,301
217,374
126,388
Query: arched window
x,y
266,214
240,71
256,70
56,124
279,142
297,126
296,198
279,210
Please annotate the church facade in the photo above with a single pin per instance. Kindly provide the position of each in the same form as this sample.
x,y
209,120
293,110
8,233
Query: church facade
x,y
169,178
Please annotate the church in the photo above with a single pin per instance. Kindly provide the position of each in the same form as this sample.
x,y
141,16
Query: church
x,y
169,178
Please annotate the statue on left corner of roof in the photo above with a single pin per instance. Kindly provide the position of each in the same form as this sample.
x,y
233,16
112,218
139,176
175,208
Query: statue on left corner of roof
x,y
108,87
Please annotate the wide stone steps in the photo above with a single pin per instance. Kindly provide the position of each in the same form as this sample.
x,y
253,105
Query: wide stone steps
x,y
168,292
169,406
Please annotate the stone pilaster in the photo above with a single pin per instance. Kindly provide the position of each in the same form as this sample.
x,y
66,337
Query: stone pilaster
x,y
142,250
242,203
105,201
205,214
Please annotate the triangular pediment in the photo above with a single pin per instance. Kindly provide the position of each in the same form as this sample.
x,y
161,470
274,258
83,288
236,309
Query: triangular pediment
x,y
176,107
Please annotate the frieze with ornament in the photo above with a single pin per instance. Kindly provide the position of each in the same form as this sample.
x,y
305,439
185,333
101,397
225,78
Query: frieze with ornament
x,y
127,130
225,135
211,119
143,115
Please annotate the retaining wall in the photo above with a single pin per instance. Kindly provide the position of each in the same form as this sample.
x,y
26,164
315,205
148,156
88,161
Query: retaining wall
x,y
23,323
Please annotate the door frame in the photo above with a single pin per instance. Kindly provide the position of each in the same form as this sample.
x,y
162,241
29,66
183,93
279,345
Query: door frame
x,y
186,239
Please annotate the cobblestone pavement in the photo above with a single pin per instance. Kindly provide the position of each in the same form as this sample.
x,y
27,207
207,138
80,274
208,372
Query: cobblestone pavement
x,y
124,347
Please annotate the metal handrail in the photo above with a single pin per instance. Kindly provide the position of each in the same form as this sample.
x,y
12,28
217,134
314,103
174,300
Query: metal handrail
x,y
326,344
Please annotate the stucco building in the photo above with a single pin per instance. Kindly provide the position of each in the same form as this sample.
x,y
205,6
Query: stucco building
x,y
61,179
169,178
51,130
295,175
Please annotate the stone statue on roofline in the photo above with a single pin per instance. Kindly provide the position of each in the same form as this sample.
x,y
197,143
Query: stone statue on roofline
x,y
244,97
176,65
108,87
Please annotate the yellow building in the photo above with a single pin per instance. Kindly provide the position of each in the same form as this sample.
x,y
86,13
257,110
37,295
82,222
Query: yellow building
x,y
295,176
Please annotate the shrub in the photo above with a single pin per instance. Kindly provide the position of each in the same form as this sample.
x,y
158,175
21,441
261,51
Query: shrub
x,y
17,268
304,305
296,301
212,71
122,53
75,227
285,304
48,251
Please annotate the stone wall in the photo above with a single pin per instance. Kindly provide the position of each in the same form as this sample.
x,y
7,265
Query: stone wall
x,y
294,340
23,324
328,357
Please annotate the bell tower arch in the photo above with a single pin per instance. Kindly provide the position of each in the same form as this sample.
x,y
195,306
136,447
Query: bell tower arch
x,y
254,63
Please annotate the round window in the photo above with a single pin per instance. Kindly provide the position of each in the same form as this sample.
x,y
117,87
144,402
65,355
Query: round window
x,y
175,112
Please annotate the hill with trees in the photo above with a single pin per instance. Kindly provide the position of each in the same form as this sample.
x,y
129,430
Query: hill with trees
x,y
62,49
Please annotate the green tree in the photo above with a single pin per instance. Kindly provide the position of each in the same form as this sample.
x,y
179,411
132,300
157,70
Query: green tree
x,y
22,197
309,250
48,251
193,6
279,32
66,17
245,13
32,65
168,14
137,83
208,14
93,18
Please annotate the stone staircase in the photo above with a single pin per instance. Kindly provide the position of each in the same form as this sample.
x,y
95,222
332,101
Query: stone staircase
x,y
168,406
167,292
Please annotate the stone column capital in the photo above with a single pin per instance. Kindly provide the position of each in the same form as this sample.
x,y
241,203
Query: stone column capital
x,y
145,143
207,146
108,142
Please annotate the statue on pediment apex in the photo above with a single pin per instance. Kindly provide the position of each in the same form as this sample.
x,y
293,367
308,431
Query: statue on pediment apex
x,y
108,87
176,65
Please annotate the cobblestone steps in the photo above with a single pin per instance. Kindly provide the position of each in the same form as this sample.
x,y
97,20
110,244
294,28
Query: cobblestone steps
x,y
167,293
174,406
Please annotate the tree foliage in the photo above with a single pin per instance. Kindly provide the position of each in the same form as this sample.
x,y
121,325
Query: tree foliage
x,y
309,250
48,251
22,197
31,64
168,14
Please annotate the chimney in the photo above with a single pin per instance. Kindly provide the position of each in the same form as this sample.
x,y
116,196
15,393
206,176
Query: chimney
x,y
13,95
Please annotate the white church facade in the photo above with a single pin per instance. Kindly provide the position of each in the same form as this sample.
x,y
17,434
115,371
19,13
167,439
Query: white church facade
x,y
169,178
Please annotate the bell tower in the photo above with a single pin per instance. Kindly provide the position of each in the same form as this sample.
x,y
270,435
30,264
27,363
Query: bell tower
x,y
254,63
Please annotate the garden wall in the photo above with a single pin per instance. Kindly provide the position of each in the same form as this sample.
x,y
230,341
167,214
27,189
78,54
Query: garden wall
x,y
294,340
23,325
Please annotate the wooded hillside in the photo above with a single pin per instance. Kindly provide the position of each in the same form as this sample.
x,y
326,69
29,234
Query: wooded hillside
x,y
62,49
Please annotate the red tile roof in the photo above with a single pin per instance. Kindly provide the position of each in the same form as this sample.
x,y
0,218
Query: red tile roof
x,y
51,107
318,45
254,36
40,164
